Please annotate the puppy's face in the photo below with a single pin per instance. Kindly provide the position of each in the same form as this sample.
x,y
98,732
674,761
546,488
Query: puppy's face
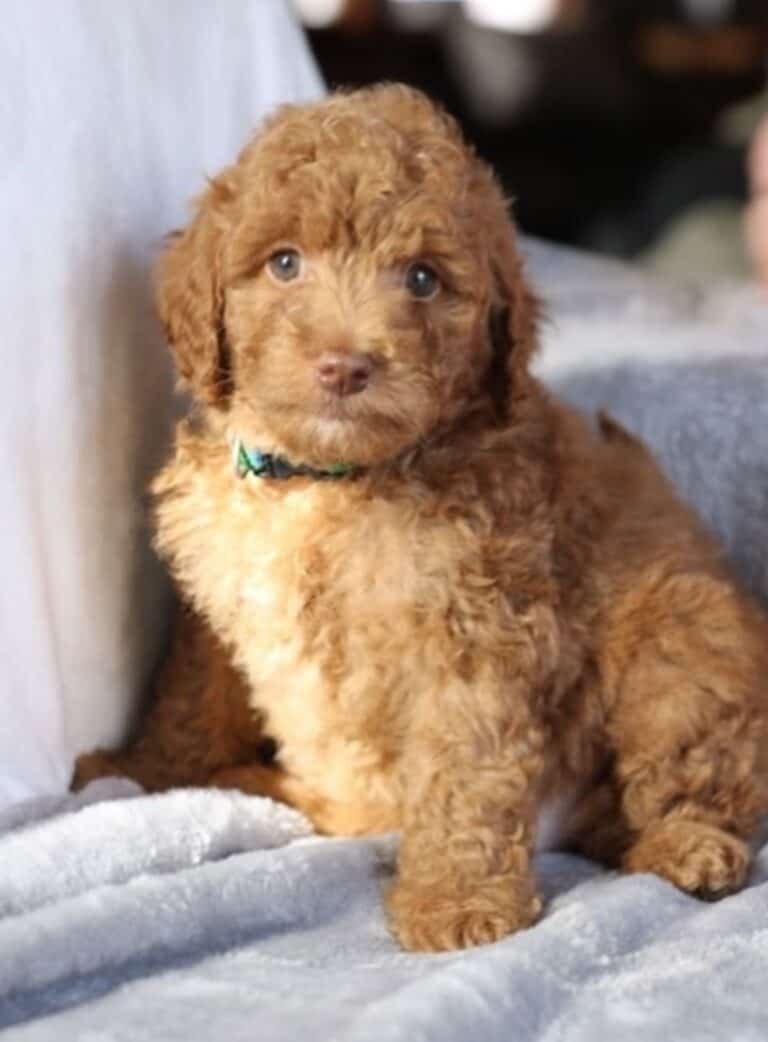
x,y
356,294
356,255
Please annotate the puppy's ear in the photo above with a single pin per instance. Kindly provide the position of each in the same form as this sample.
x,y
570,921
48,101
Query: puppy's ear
x,y
190,294
513,320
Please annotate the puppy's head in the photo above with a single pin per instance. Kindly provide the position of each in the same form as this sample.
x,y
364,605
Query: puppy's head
x,y
351,284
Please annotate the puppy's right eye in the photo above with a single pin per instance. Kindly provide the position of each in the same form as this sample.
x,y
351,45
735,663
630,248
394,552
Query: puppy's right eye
x,y
421,281
285,265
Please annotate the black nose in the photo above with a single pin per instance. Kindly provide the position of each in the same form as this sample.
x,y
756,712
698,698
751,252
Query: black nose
x,y
344,372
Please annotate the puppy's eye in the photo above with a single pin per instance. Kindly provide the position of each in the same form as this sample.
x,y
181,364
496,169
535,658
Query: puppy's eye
x,y
421,281
285,265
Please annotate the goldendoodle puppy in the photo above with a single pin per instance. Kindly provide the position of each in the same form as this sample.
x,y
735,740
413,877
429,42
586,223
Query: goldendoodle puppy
x,y
450,599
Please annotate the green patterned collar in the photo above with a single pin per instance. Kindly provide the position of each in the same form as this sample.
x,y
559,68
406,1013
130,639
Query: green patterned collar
x,y
266,465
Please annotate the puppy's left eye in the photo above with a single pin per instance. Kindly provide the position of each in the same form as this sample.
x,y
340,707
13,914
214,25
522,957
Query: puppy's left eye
x,y
421,281
285,265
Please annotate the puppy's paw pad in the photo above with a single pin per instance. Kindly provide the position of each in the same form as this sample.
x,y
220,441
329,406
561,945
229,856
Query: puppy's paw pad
x,y
699,859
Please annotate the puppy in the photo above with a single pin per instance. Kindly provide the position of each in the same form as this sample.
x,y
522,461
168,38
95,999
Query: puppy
x,y
449,599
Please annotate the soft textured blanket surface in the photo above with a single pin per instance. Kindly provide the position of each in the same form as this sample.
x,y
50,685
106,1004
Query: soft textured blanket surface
x,y
206,915
209,915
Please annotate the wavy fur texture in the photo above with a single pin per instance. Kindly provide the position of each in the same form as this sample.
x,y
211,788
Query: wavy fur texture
x,y
503,606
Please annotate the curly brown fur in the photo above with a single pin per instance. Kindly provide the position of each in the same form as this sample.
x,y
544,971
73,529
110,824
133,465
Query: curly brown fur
x,y
501,605
200,721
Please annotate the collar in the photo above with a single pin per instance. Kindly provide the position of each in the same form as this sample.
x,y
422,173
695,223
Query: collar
x,y
265,465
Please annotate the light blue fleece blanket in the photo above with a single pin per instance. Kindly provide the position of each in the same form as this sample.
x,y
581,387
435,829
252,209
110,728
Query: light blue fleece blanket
x,y
208,915
203,915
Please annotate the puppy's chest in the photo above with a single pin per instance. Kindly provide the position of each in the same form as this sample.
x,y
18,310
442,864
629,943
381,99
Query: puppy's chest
x,y
331,607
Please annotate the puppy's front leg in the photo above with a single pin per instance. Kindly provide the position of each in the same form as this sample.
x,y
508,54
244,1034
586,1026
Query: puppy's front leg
x,y
465,866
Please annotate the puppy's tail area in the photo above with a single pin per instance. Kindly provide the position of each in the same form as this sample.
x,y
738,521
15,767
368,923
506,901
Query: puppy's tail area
x,y
611,430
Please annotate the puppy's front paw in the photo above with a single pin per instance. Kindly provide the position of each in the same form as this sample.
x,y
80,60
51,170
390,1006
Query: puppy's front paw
x,y
427,920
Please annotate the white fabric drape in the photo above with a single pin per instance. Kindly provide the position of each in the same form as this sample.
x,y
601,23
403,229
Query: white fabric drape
x,y
111,114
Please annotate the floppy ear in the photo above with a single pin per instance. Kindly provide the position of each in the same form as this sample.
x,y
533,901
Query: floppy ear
x,y
190,295
514,314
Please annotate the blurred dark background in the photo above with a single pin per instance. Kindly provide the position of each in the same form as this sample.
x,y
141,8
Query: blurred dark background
x,y
617,125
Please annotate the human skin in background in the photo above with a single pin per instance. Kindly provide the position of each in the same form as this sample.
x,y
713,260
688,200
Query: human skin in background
x,y
757,211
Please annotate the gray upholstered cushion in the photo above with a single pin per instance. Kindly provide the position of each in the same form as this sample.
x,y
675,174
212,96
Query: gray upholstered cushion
x,y
685,367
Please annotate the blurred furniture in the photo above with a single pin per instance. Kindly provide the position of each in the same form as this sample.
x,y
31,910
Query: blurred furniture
x,y
603,123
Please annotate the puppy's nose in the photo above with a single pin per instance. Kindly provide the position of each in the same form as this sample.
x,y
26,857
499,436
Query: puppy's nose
x,y
344,372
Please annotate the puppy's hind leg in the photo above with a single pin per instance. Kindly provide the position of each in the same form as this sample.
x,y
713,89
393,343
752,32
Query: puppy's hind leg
x,y
688,728
199,722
